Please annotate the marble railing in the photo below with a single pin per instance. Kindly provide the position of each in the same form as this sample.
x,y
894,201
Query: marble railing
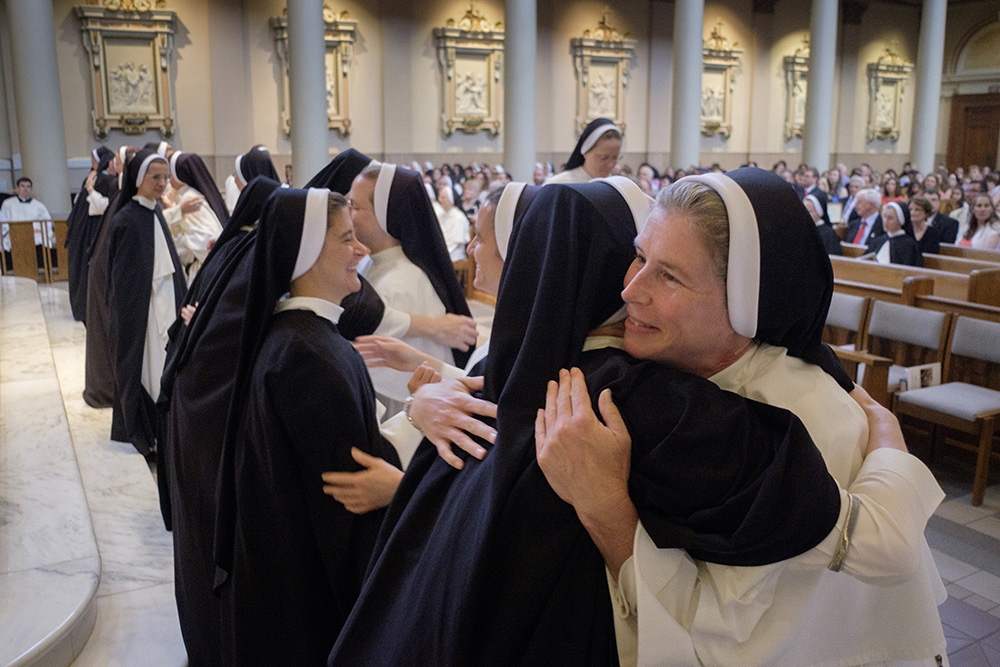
x,y
49,563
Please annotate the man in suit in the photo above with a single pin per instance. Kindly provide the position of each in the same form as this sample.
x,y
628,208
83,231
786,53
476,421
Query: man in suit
x,y
947,225
868,225
808,180
854,186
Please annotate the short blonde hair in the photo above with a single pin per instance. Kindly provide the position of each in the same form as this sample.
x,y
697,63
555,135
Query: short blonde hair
x,y
707,214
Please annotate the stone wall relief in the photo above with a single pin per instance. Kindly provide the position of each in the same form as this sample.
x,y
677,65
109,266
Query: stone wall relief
x,y
796,68
470,54
338,35
720,63
601,58
130,43
886,83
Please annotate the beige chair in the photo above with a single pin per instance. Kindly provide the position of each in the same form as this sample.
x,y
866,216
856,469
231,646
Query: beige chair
x,y
966,407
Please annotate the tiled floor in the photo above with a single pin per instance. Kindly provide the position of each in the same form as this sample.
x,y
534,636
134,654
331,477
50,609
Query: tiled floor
x,y
136,616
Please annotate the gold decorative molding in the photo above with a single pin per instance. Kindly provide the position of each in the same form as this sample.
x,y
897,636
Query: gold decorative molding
x,y
886,84
470,54
796,67
338,36
720,62
130,43
601,58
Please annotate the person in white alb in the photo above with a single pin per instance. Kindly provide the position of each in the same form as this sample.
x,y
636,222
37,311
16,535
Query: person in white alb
x,y
25,207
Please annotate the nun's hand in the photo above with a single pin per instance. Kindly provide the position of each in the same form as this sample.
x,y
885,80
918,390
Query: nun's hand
x,y
187,312
423,375
444,413
386,351
192,205
587,463
365,490
89,183
883,427
450,330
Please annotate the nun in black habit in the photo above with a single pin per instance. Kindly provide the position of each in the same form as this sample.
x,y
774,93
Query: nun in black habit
x,y
82,229
99,387
255,162
486,565
897,245
290,559
818,213
595,154
146,287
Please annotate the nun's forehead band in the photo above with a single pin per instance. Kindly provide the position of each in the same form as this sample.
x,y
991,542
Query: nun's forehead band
x,y
743,281
382,187
598,132
313,230
145,165
503,219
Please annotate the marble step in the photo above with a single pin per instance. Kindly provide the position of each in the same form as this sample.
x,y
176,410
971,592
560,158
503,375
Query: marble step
x,y
50,567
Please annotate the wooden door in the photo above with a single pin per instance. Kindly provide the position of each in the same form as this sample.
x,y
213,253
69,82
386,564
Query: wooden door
x,y
974,135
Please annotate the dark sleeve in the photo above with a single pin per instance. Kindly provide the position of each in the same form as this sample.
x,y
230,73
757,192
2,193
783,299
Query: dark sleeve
x,y
363,311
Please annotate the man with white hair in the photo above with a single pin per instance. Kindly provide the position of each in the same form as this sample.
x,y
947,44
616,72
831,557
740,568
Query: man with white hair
x,y
854,186
868,225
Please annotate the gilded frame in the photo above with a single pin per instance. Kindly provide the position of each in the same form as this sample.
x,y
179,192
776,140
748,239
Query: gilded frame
x,y
886,84
720,62
796,68
601,60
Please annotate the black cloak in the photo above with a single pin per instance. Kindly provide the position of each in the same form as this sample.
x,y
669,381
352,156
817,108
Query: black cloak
x,y
409,218
576,157
255,162
291,559
339,174
903,249
830,239
780,281
130,271
500,569
82,229
190,169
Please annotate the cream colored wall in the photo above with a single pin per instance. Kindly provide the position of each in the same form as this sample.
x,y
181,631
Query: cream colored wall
x,y
227,80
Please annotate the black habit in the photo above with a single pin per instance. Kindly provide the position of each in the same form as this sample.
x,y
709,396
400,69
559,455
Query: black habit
x,y
903,249
82,229
486,565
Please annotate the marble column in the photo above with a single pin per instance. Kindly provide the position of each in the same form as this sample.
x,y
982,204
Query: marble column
x,y
38,102
930,62
521,27
685,127
819,93
307,88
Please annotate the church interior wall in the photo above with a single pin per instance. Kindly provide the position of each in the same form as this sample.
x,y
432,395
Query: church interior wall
x,y
224,50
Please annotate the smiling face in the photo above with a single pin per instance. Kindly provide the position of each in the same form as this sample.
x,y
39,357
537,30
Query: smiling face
x,y
600,160
154,183
338,261
676,302
982,208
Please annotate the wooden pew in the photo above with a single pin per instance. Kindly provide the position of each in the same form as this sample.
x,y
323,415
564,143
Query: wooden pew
x,y
970,253
853,249
956,264
979,286
977,310
907,292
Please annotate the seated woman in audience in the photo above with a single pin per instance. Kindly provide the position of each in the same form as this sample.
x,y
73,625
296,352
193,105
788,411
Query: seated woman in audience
x,y
984,225
817,211
595,155
890,191
895,246
928,237
692,275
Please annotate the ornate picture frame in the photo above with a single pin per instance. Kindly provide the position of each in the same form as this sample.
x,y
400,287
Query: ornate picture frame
x,y
601,59
470,54
338,36
796,67
887,78
720,62
130,43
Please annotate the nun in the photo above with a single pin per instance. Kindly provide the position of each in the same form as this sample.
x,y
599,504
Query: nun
x,y
194,232
595,155
817,211
84,222
253,163
99,383
731,283
290,560
502,569
145,290
895,246
410,267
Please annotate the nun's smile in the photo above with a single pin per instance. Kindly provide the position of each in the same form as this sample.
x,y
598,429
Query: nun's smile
x,y
676,304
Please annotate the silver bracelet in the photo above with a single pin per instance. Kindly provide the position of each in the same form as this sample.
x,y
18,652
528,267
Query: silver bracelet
x,y
844,544
407,404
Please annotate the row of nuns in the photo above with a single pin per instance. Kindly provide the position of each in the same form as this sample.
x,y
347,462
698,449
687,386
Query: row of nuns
x,y
652,459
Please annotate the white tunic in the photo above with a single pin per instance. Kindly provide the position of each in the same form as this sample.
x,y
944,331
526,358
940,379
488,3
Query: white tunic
x,y
162,308
455,228
14,210
986,237
403,286
882,608
193,231
577,175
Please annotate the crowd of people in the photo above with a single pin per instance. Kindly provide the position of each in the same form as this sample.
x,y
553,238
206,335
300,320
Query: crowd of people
x,y
349,479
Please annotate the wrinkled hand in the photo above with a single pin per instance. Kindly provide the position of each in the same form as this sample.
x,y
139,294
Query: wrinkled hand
x,y
187,312
444,411
423,375
365,490
883,427
586,463
192,205
386,351
457,331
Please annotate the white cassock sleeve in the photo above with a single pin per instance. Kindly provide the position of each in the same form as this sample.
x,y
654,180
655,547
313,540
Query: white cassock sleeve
x,y
98,203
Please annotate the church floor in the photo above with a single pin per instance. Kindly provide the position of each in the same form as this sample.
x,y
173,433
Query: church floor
x,y
136,615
